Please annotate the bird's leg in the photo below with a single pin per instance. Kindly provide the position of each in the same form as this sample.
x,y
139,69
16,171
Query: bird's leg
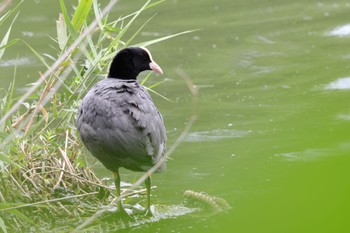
x,y
121,209
148,187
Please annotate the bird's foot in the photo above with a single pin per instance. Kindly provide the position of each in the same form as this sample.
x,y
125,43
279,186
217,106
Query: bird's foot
x,y
124,214
139,210
148,212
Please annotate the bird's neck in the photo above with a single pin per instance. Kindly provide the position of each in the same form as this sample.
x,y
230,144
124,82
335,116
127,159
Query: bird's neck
x,y
122,77
122,73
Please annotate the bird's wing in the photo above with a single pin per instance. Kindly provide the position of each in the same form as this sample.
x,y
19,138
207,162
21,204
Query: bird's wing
x,y
148,118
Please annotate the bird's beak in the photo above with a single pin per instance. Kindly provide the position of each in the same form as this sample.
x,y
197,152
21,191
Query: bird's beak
x,y
155,67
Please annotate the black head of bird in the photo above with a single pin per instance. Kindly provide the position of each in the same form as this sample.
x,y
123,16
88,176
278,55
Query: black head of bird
x,y
129,62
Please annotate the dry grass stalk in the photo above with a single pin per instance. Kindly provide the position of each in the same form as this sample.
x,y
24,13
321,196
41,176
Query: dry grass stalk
x,y
5,4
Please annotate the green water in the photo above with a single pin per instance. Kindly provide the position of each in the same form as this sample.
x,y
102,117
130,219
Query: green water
x,y
272,136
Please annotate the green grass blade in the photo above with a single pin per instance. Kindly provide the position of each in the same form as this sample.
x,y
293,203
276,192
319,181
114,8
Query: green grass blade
x,y
69,24
145,23
15,212
61,27
4,158
9,44
43,61
148,5
2,225
81,13
156,84
7,14
146,78
150,42
11,91
151,90
3,18
125,29
92,47
41,58
98,13
138,31
5,39
154,4
22,216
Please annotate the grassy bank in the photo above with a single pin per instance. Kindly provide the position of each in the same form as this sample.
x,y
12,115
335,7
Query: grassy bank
x,y
46,184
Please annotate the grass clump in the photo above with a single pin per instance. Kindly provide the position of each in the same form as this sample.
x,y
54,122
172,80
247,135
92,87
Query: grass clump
x,y
42,168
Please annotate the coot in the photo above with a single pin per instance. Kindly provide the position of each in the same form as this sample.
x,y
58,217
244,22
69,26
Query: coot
x,y
118,121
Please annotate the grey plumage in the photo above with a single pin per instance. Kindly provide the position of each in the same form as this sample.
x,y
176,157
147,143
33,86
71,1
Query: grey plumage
x,y
121,127
118,122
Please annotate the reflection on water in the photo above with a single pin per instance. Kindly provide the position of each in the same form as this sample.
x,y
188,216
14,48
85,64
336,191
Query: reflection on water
x,y
344,116
16,62
341,31
215,135
339,84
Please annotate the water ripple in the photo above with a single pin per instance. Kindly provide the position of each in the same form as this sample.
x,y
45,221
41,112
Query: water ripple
x,y
313,154
308,155
215,135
